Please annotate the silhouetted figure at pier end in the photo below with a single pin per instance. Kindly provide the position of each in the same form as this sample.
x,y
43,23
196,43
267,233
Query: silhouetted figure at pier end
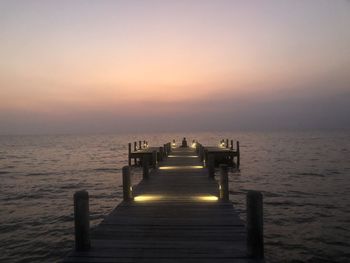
x,y
184,143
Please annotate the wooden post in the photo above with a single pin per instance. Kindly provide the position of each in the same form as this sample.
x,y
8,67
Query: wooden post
x,y
144,144
211,165
238,155
145,165
255,227
161,154
127,188
154,159
81,221
129,154
202,153
231,144
135,149
140,145
224,189
164,150
226,143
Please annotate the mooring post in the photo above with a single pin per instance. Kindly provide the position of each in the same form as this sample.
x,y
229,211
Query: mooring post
x,y
135,149
81,221
238,155
224,189
164,151
211,165
129,153
227,143
145,165
255,225
161,154
154,159
202,153
231,144
205,157
127,188
140,145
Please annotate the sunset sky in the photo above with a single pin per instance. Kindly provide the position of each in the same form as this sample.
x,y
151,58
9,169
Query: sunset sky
x,y
118,66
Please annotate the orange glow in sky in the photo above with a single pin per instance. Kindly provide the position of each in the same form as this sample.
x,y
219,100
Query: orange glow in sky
x,y
128,56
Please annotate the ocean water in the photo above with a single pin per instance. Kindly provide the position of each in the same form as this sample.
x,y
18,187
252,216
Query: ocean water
x,y
304,177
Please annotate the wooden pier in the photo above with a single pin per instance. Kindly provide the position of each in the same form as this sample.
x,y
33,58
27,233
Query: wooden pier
x,y
177,213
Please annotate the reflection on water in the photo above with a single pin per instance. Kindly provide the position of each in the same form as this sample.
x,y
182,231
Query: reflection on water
x,y
303,176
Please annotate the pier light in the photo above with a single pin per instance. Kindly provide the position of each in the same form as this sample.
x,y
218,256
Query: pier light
x,y
181,156
145,198
181,167
207,198
200,198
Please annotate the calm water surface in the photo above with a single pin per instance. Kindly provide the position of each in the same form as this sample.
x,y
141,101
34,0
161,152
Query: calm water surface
x,y
304,177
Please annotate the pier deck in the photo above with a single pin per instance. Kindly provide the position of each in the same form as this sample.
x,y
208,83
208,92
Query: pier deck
x,y
175,216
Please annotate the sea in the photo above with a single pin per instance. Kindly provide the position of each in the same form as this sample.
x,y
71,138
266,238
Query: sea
x,y
304,178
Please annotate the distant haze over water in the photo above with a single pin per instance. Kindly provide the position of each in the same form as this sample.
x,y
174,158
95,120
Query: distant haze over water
x,y
304,177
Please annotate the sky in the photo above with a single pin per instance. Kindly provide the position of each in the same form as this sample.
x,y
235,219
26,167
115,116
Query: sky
x,y
187,65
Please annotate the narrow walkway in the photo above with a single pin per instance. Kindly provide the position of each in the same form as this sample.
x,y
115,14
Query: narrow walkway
x,y
175,217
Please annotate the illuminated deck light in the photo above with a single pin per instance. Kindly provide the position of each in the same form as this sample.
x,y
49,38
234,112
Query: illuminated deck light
x,y
150,198
207,198
145,198
181,156
180,167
